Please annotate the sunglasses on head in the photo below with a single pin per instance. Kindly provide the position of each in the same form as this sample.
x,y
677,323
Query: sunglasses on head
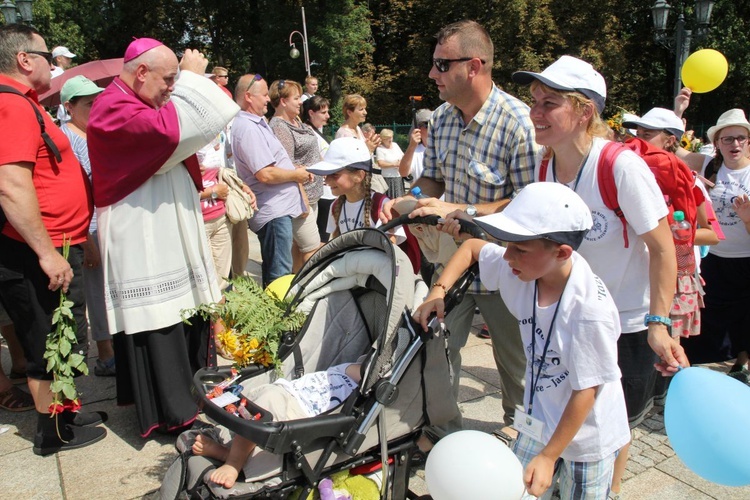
x,y
443,65
256,78
46,55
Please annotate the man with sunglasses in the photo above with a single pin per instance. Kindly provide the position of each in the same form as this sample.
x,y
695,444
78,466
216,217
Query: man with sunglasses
x,y
480,151
264,165
47,200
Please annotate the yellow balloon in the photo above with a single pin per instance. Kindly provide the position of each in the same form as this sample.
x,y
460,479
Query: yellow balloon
x,y
704,70
280,286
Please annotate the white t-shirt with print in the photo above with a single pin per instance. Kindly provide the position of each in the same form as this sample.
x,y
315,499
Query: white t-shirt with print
x,y
623,270
729,185
319,392
582,353
352,217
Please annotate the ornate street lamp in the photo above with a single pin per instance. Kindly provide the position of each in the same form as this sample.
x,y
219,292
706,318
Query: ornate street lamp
x,y
20,12
679,42
8,9
294,52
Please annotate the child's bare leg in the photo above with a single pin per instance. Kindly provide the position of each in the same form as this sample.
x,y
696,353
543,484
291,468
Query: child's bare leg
x,y
207,447
619,470
239,452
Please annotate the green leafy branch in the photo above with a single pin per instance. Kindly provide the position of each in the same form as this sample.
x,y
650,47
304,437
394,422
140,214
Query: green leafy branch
x,y
62,362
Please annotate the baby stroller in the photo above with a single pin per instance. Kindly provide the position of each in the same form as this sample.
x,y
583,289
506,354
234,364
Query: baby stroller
x,y
359,291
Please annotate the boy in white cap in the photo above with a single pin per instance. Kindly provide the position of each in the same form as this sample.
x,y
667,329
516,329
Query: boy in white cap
x,y
573,420
660,127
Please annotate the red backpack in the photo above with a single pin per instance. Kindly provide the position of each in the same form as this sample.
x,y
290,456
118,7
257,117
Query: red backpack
x,y
675,179
411,245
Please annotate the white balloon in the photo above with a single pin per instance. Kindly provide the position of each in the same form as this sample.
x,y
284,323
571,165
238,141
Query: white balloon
x,y
473,465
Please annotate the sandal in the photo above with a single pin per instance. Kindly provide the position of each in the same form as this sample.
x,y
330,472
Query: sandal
x,y
504,437
14,399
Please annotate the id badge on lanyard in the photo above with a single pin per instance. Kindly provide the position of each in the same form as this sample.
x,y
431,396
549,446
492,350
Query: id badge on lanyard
x,y
523,421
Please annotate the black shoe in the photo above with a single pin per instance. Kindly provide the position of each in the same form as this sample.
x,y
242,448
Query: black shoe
x,y
49,439
85,418
484,333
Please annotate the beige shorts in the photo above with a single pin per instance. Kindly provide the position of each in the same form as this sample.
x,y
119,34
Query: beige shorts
x,y
277,400
305,231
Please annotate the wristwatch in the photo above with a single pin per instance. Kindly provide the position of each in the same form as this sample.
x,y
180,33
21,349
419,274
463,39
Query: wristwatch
x,y
471,210
214,195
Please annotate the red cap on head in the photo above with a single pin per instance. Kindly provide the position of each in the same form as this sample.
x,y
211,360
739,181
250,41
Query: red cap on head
x,y
138,46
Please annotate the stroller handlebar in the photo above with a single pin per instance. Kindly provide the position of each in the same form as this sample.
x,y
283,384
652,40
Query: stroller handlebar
x,y
433,220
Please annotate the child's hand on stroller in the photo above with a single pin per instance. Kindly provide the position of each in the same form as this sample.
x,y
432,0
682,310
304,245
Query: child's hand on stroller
x,y
434,303
452,226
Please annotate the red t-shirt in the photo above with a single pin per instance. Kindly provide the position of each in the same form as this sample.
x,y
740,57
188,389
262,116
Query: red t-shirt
x,y
62,189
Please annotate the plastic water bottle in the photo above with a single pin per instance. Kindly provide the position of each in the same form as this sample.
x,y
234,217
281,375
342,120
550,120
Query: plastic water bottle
x,y
682,233
417,193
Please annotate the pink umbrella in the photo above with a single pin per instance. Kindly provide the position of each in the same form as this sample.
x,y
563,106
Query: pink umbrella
x,y
101,72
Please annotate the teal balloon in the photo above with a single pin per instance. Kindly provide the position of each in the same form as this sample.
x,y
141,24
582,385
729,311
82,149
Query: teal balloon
x,y
707,415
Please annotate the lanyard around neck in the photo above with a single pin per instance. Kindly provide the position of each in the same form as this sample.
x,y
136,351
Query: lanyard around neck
x,y
535,380
580,170
356,221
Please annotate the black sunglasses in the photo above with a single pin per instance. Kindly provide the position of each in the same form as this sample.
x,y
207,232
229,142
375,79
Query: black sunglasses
x,y
46,55
281,84
256,78
444,65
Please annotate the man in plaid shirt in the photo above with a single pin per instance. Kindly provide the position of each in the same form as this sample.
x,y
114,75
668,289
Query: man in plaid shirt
x,y
481,150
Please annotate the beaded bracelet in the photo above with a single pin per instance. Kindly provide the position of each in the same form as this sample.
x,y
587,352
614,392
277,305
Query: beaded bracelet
x,y
445,290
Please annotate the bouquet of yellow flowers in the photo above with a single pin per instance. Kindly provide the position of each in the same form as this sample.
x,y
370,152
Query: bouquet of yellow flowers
x,y
254,323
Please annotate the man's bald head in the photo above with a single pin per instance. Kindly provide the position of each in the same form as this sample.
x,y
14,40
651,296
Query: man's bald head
x,y
152,75
251,94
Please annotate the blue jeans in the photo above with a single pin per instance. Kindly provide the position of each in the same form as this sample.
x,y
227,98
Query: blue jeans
x,y
276,249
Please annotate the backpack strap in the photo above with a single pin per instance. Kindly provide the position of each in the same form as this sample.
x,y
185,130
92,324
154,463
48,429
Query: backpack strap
x,y
606,180
7,89
377,205
543,170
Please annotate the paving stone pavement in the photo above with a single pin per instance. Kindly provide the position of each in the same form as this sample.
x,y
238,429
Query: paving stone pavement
x,y
124,466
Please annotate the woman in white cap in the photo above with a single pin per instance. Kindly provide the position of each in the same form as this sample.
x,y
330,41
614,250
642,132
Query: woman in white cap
x,y
726,268
77,96
569,97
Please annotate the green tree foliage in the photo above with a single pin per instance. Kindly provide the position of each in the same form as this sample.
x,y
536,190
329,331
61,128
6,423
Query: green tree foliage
x,y
383,49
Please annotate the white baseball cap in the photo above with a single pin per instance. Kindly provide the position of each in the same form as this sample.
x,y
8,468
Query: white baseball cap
x,y
570,74
346,152
658,119
541,210
62,51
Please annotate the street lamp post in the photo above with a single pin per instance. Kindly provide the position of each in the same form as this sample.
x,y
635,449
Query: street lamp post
x,y
20,12
294,52
679,43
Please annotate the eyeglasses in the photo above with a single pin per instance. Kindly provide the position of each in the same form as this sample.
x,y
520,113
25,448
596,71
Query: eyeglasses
x,y
443,65
256,78
46,55
422,124
728,140
222,76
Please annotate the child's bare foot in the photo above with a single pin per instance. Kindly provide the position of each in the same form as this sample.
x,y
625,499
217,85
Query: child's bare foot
x,y
226,476
207,447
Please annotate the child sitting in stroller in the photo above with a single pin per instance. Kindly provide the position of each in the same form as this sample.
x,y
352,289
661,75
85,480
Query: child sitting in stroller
x,y
305,397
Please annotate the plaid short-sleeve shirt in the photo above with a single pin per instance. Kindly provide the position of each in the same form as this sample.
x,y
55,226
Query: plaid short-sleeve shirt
x,y
489,159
